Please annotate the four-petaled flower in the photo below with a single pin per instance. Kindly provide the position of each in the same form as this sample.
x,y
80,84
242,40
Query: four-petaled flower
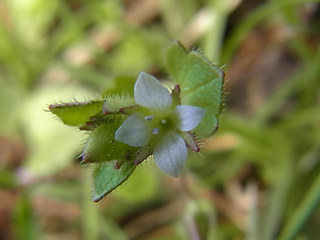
x,y
161,125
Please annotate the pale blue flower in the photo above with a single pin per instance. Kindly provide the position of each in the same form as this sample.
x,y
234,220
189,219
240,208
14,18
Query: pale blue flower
x,y
159,124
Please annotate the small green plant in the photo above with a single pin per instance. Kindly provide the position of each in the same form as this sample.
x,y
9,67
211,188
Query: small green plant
x,y
124,131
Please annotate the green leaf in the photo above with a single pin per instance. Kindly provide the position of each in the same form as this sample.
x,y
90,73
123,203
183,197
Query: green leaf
x,y
102,147
201,84
107,178
76,114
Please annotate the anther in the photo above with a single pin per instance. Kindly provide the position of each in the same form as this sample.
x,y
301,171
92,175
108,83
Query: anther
x,y
148,118
155,131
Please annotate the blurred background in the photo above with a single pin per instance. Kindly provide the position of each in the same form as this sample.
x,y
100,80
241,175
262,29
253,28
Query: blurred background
x,y
256,178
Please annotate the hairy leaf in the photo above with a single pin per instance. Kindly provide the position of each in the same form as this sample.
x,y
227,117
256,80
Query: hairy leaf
x,y
76,114
107,178
102,147
201,84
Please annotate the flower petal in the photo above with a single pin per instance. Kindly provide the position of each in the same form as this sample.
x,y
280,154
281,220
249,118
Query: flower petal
x,y
190,116
134,131
170,154
149,92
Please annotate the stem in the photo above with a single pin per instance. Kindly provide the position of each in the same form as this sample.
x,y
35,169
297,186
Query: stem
x,y
192,229
252,224
278,199
90,214
213,40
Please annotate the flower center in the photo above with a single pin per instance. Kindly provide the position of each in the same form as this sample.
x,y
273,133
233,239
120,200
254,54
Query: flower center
x,y
166,122
159,125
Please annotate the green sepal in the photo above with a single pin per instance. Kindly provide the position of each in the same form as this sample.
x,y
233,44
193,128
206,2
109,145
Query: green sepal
x,y
189,140
76,114
133,109
143,153
107,178
201,84
175,94
102,147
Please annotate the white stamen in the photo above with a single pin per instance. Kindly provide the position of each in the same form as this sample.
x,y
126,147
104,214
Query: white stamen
x,y
148,118
163,121
155,131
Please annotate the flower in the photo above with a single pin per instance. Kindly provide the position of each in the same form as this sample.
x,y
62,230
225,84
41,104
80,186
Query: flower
x,y
161,125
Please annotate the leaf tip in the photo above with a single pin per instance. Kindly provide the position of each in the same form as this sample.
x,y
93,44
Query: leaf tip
x,y
51,107
85,159
97,198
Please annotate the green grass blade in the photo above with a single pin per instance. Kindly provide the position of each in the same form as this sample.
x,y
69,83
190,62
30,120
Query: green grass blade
x,y
303,212
254,19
